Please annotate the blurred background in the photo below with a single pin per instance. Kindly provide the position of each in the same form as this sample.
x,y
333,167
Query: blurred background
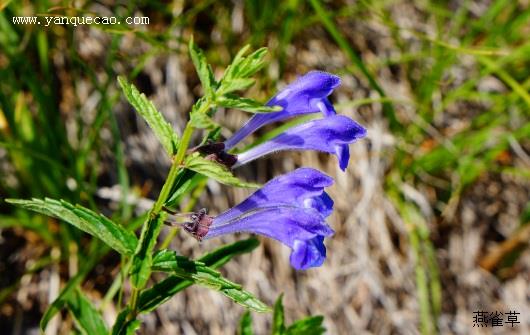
x,y
432,215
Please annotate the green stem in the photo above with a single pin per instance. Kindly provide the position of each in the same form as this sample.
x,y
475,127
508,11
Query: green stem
x,y
134,303
173,172
186,137
162,198
179,157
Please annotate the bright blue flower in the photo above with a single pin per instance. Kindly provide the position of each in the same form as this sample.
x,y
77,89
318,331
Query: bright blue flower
x,y
291,208
308,94
331,134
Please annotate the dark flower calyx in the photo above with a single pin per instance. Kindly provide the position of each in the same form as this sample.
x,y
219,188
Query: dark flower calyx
x,y
210,148
215,151
199,225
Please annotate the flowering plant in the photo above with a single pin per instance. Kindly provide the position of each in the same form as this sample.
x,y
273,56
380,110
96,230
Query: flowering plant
x,y
291,208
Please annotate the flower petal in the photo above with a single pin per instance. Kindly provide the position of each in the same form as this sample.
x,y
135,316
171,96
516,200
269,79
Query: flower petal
x,y
284,224
330,134
296,188
323,204
292,209
308,253
308,94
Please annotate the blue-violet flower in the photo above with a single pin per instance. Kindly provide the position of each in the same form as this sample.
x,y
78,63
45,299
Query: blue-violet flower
x,y
331,134
308,94
291,208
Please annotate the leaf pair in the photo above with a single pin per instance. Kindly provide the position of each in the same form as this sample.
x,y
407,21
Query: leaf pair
x,y
184,273
167,288
238,75
220,94
199,273
199,118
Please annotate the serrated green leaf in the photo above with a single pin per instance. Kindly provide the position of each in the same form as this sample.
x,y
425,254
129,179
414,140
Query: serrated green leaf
x,y
236,84
123,326
202,120
97,225
162,129
245,66
253,63
278,319
245,104
240,56
236,76
203,69
215,171
309,326
245,324
142,260
88,319
200,274
167,288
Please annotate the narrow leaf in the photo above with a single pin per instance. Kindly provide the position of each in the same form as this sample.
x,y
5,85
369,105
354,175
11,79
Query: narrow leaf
x,y
123,326
233,69
97,225
199,273
56,306
236,84
162,129
245,66
142,260
215,171
202,120
309,326
278,320
87,318
203,69
164,290
245,325
245,104
253,63
191,180
70,286
237,75
240,56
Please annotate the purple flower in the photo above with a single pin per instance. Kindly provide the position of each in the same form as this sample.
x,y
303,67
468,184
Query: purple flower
x,y
331,134
308,94
291,208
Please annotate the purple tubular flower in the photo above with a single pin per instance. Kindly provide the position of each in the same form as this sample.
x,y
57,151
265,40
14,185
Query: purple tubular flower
x,y
331,134
292,209
308,94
